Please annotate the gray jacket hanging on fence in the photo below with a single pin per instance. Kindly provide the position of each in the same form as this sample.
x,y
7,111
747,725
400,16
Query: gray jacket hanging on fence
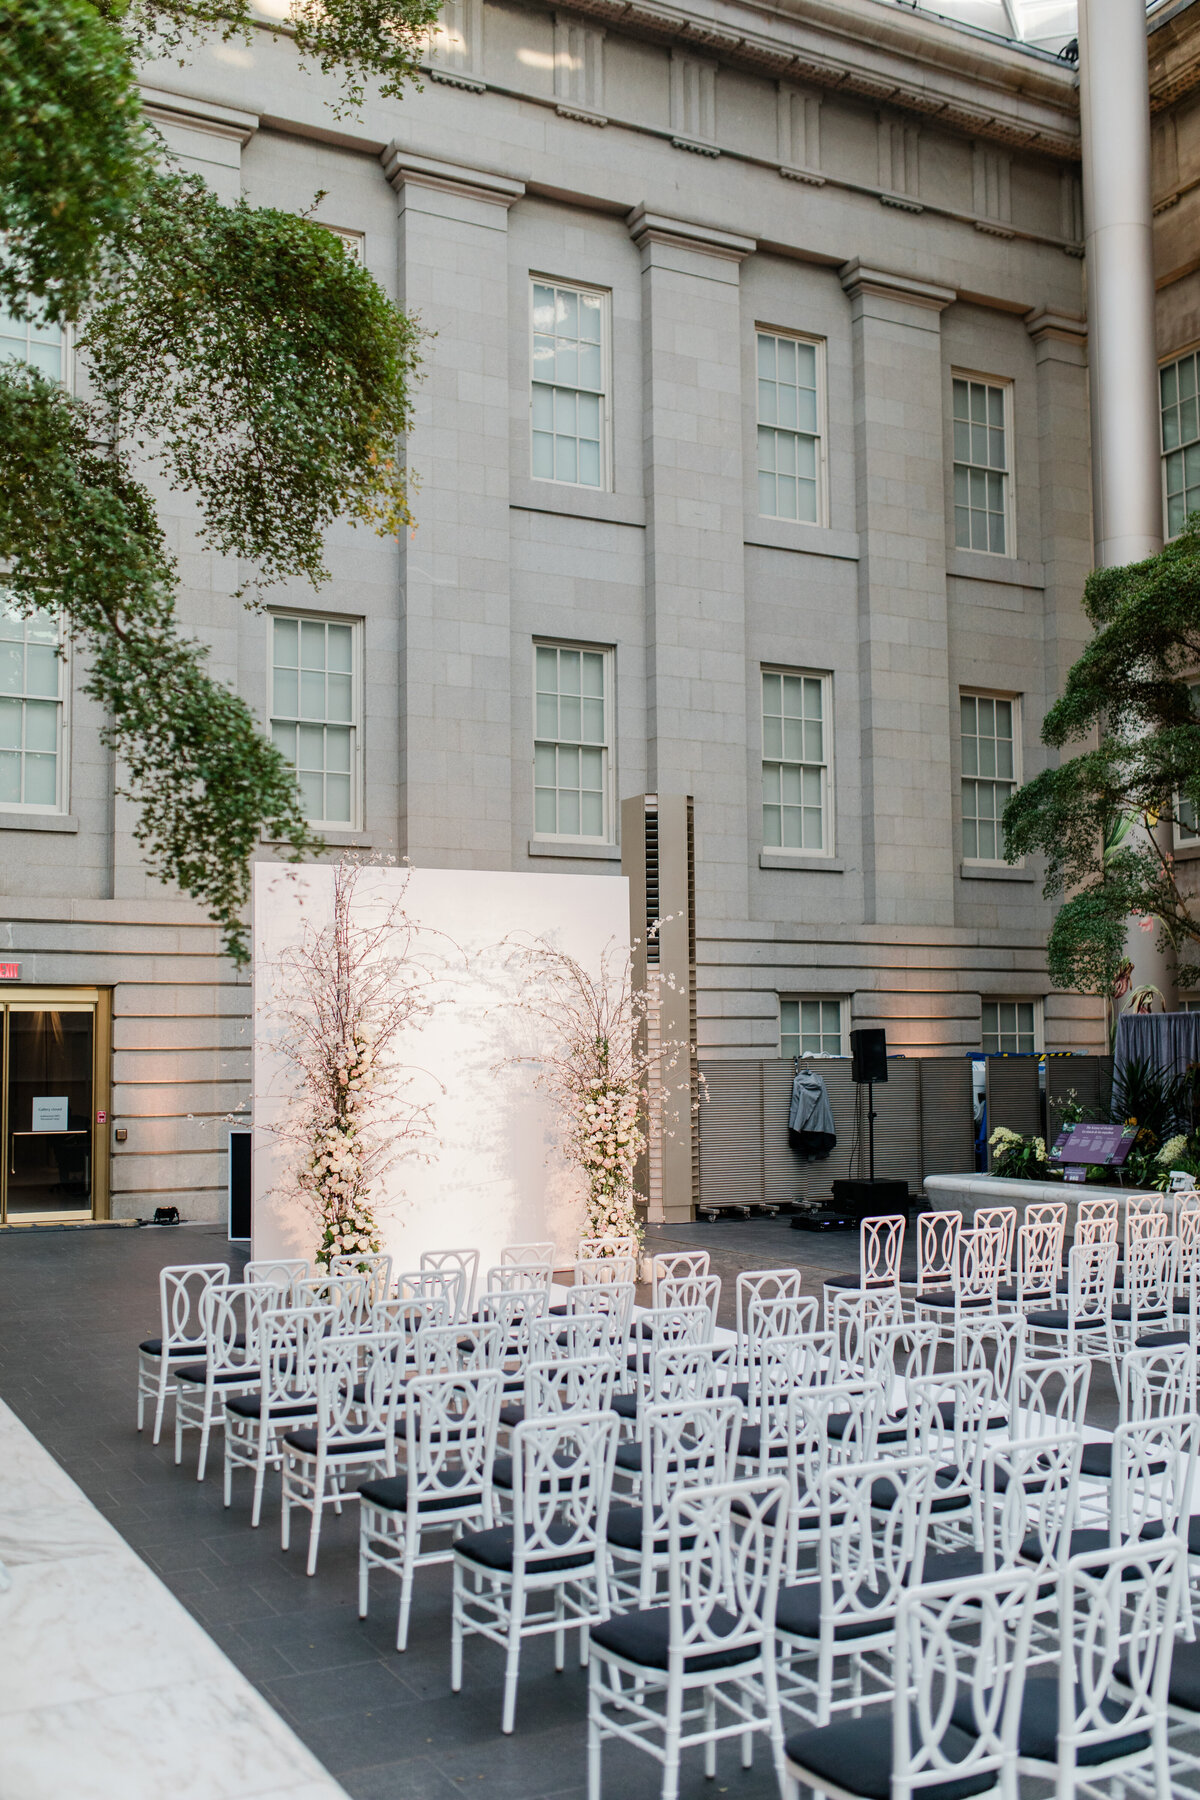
x,y
810,1116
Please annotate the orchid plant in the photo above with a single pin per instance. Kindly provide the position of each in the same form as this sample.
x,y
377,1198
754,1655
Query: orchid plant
x,y
344,995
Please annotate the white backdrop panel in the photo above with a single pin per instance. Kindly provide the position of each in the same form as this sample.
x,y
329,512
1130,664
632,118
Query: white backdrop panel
x,y
495,1176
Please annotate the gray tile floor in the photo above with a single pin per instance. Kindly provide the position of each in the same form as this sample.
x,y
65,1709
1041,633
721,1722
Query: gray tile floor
x,y
73,1305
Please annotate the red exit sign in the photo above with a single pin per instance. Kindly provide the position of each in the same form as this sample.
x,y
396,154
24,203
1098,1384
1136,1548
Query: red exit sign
x,y
10,971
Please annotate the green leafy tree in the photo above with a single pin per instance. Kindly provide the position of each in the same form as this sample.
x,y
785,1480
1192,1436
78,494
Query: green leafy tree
x,y
1105,818
236,351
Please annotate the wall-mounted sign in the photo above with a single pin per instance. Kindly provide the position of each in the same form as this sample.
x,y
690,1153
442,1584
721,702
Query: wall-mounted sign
x,y
10,971
50,1112
101,1117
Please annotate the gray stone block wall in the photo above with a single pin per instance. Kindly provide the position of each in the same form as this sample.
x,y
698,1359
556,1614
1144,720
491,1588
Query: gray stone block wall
x,y
877,250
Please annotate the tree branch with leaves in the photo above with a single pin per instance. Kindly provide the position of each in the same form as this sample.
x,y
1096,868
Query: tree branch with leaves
x,y
235,351
1130,692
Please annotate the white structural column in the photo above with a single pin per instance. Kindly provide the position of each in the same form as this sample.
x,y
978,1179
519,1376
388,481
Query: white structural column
x,y
908,831
1114,104
455,721
1115,121
695,569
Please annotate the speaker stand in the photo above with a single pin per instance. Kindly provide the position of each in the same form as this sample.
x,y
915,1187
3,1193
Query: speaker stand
x,y
871,1128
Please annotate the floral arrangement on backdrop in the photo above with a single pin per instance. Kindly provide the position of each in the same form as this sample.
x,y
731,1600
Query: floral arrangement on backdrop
x,y
607,1070
342,997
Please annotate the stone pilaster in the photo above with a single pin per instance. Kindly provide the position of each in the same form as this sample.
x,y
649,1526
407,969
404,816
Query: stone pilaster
x,y
455,714
695,578
899,440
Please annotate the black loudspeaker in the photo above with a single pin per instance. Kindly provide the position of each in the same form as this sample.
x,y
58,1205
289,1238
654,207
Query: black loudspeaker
x,y
868,1055
240,1226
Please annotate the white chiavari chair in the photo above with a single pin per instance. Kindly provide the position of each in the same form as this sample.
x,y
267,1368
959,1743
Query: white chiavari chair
x,y
447,1426
374,1266
700,1668
554,1549
231,1315
181,1333
949,1723
466,1262
286,1394
359,1380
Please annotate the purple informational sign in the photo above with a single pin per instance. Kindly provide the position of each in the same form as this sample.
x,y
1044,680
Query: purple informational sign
x,y
1092,1143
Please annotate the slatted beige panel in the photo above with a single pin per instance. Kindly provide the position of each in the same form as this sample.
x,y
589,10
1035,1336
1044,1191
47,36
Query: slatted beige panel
x,y
783,1171
1012,1095
897,1126
947,1127
786,1175
731,1134
1089,1076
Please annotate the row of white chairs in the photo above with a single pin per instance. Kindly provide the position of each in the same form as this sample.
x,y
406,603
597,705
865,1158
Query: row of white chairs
x,y
799,1411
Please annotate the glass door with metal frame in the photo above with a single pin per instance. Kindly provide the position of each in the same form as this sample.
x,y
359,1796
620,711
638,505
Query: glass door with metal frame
x,y
53,1106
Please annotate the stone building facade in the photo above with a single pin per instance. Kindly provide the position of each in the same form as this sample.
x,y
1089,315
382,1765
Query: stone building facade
x,y
753,458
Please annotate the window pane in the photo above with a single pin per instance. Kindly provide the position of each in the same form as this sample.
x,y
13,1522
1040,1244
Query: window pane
x,y
337,799
568,385
787,422
321,747
287,693
339,648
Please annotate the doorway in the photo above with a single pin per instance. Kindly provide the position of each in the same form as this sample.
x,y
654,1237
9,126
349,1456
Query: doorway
x,y
54,1079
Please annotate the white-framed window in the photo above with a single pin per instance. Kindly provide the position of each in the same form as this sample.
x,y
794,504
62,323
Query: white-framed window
x,y
569,360
316,713
33,688
791,412
1012,1025
572,741
1179,410
351,241
812,1027
990,741
982,482
797,773
1188,1006
35,341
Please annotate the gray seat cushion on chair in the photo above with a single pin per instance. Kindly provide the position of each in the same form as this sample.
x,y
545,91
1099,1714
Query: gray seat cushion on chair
x,y
1059,1320
1097,1461
644,1638
1162,1340
502,1470
1037,1732
857,1757
1154,1530
625,1531
391,1494
625,1406
798,1613
198,1374
494,1550
1183,1689
883,1494
305,1440
249,1406
750,1443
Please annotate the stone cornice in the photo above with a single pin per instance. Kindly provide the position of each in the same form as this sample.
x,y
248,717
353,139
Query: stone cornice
x,y
656,228
862,49
198,115
1045,323
402,167
858,279
1174,60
